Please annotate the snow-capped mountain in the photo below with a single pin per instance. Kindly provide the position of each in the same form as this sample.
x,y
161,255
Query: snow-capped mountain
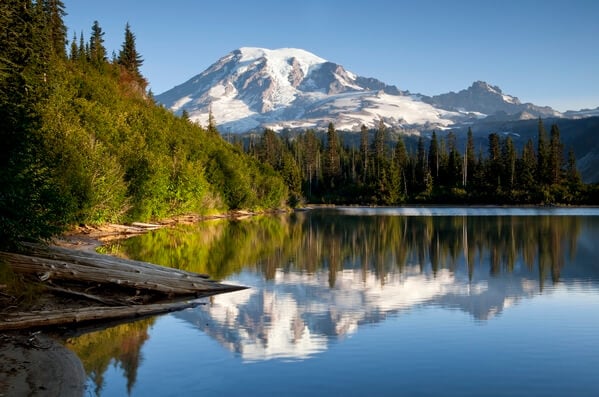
x,y
253,88
487,99
583,113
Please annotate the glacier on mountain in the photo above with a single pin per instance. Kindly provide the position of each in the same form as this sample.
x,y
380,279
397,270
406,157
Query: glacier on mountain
x,y
254,88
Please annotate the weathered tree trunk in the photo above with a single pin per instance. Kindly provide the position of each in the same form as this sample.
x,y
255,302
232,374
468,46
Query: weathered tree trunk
x,y
15,321
142,287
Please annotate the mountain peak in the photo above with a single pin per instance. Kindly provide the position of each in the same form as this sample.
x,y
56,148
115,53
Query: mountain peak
x,y
249,54
484,86
252,88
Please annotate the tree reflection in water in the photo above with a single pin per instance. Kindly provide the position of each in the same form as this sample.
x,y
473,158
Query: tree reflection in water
x,y
311,241
322,274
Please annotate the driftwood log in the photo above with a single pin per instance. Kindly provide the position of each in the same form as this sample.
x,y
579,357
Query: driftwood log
x,y
143,288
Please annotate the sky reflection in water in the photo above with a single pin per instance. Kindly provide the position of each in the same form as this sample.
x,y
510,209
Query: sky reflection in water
x,y
354,303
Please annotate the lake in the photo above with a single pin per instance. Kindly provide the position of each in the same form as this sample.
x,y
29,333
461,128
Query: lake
x,y
433,301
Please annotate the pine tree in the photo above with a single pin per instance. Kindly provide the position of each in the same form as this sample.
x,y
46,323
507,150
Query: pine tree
x,y
55,27
555,156
271,149
433,157
83,53
572,173
97,52
400,158
454,162
494,162
508,162
128,56
185,115
471,164
311,160
364,157
422,172
332,157
543,171
379,140
527,167
74,52
212,130
378,150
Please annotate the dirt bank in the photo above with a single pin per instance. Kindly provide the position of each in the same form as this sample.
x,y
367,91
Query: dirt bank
x,y
36,365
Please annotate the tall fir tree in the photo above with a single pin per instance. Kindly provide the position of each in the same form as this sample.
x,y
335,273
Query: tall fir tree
x,y
83,53
494,165
543,171
433,157
364,150
454,162
97,51
471,164
378,151
332,156
555,155
400,157
54,11
129,58
572,173
527,168
508,162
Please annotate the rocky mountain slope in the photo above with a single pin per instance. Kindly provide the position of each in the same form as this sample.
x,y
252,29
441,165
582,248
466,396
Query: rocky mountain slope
x,y
252,88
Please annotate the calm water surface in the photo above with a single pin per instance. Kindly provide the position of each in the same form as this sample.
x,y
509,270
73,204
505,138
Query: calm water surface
x,y
368,302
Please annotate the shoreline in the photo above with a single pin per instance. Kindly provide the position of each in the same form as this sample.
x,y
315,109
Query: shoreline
x,y
37,363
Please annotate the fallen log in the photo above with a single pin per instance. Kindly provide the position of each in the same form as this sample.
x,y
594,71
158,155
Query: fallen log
x,y
96,268
103,261
50,269
36,319
121,288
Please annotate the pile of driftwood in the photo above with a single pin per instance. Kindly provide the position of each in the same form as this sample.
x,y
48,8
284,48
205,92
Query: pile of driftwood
x,y
114,288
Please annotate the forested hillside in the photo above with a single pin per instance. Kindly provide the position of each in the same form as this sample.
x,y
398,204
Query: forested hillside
x,y
84,142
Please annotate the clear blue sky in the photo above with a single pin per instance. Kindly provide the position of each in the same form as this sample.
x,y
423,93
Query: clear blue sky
x,y
545,52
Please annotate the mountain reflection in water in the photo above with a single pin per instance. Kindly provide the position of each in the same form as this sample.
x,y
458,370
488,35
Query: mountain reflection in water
x,y
318,276
321,274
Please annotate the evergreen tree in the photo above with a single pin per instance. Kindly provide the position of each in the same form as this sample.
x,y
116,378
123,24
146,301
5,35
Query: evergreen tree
x,y
572,173
74,52
364,157
543,171
433,156
332,156
271,149
527,167
508,154
454,162
494,165
311,160
83,53
55,27
401,159
212,130
471,164
185,115
555,156
128,56
379,141
378,151
97,52
423,182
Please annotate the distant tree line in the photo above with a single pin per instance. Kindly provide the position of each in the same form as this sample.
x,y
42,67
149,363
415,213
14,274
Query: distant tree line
x,y
321,169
